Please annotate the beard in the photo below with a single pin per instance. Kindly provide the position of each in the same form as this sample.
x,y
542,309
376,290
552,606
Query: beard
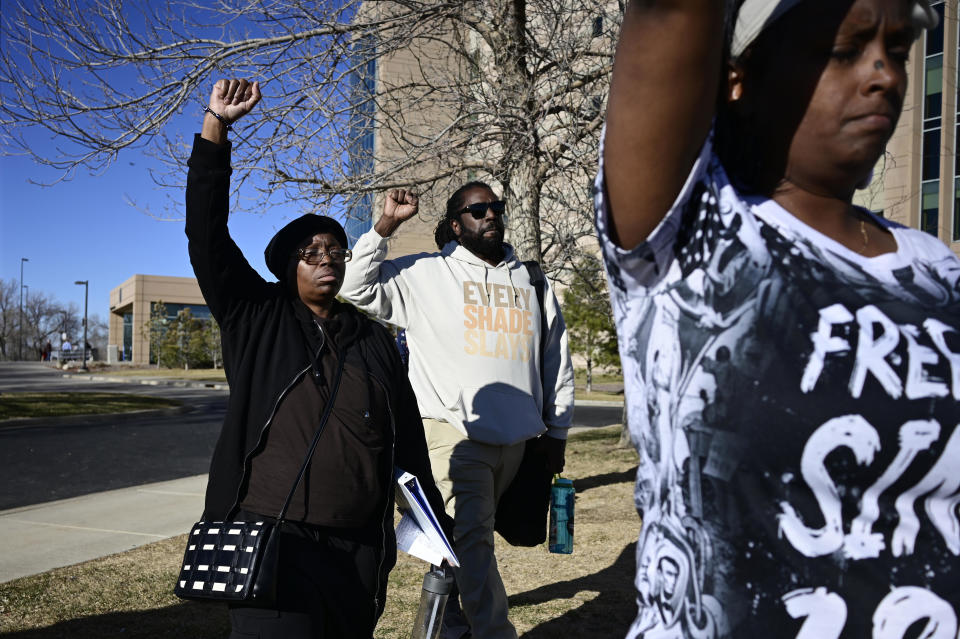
x,y
486,248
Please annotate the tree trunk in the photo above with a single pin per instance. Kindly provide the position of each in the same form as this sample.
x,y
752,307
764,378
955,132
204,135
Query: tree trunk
x,y
524,213
589,375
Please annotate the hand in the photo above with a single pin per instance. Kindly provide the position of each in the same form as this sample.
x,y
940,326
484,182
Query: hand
x,y
398,207
232,99
554,449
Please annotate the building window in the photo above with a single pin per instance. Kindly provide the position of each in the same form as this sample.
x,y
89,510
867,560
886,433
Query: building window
x,y
931,154
956,208
197,311
932,126
126,349
929,199
955,235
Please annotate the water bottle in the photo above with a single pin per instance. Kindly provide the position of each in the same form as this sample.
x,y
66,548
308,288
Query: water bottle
x,y
433,600
561,516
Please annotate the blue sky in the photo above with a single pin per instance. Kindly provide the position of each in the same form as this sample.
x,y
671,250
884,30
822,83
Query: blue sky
x,y
87,229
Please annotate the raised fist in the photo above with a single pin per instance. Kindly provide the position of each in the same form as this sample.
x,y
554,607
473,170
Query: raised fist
x,y
401,205
232,99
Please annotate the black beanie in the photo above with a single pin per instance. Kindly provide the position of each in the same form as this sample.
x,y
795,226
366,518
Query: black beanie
x,y
284,243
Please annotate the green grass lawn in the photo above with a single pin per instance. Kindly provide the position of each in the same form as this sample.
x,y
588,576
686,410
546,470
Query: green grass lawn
x,y
580,377
602,396
64,404
197,374
217,375
586,595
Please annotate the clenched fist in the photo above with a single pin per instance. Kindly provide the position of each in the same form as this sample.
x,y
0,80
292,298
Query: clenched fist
x,y
398,207
231,100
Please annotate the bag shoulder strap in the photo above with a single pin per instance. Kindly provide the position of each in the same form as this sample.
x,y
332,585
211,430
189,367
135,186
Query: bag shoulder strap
x,y
539,282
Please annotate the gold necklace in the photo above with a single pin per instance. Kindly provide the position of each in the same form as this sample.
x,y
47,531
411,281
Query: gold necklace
x,y
866,239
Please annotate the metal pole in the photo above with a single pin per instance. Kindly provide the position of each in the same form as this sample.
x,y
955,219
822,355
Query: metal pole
x,y
83,347
26,292
20,325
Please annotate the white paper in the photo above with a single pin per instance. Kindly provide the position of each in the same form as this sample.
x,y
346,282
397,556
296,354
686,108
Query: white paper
x,y
411,540
412,501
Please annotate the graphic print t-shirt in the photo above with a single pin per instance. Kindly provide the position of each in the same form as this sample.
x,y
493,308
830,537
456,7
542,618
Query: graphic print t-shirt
x,y
796,409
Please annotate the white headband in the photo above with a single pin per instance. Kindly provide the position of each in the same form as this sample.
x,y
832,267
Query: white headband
x,y
757,15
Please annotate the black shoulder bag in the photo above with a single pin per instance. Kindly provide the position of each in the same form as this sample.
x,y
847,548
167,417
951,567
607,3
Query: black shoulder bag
x,y
521,517
236,561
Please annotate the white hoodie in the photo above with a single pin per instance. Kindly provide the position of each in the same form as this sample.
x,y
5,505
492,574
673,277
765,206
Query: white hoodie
x,y
473,331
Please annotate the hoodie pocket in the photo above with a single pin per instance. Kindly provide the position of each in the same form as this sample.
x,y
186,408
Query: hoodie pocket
x,y
499,414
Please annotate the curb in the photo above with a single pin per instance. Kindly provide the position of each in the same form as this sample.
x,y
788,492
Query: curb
x,y
87,420
597,402
149,381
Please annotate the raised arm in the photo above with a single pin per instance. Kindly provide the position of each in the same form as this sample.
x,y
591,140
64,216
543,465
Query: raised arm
x,y
222,272
663,93
372,283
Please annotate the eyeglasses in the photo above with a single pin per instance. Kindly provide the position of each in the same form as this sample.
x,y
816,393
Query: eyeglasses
x,y
479,209
313,256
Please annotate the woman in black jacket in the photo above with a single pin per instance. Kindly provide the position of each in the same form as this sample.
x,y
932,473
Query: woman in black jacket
x,y
289,349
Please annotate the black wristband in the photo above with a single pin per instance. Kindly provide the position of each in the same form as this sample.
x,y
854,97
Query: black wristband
x,y
222,119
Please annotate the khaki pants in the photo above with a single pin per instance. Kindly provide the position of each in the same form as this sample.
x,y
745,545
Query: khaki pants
x,y
471,477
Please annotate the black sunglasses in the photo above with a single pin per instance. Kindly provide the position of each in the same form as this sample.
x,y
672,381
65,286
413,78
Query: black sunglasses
x,y
479,209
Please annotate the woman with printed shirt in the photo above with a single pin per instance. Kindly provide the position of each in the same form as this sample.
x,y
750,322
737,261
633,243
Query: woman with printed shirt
x,y
792,361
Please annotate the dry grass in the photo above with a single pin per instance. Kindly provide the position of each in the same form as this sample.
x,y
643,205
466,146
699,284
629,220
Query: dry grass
x,y
586,595
63,404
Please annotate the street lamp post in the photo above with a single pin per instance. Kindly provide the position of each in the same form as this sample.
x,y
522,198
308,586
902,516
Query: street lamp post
x,y
83,351
20,325
26,295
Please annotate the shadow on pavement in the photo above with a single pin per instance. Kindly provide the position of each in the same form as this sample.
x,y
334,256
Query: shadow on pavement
x,y
193,620
609,614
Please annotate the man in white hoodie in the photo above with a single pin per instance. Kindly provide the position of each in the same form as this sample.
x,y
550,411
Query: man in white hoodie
x,y
473,327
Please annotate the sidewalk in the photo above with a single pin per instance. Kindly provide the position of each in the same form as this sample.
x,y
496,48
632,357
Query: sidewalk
x,y
61,533
147,380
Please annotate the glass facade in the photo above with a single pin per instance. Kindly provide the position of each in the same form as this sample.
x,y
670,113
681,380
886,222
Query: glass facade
x,y
197,311
172,311
955,231
126,350
932,126
363,87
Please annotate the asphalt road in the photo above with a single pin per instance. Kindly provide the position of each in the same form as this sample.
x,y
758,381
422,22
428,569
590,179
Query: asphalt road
x,y
41,463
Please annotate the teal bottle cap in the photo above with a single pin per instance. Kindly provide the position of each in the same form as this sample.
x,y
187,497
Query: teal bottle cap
x,y
562,481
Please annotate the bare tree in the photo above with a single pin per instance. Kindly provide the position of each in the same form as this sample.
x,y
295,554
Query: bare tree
x,y
44,320
97,334
506,90
9,318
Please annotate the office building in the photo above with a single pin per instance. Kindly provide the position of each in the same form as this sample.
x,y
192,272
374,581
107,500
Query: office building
x,y
133,302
